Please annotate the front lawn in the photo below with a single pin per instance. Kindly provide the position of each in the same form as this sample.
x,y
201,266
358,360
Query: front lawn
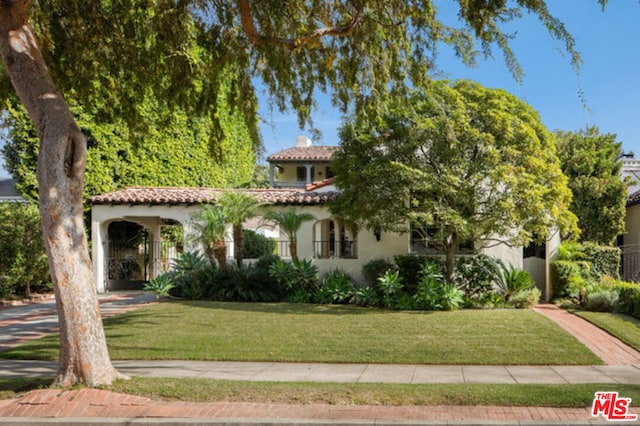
x,y
203,390
330,333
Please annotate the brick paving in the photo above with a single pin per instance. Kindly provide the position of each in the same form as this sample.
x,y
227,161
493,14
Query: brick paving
x,y
608,348
96,403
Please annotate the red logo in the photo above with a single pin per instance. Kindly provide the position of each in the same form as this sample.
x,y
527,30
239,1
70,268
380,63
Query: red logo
x,y
612,407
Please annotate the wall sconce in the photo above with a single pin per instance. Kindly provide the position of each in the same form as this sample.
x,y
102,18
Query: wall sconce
x,y
377,233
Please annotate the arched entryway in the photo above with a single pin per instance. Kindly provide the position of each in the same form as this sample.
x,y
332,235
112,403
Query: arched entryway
x,y
135,253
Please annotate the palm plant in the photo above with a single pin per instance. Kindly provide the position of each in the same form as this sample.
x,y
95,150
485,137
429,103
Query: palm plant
x,y
289,221
511,280
210,224
239,207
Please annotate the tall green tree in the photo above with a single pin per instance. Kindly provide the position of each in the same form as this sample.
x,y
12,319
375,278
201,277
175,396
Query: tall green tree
x,y
239,206
593,163
470,163
23,261
118,52
289,221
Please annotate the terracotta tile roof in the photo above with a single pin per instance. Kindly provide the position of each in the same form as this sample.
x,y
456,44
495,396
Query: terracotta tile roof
x,y
321,184
190,196
310,153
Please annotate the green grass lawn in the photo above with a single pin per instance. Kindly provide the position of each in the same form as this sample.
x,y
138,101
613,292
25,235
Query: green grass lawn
x,y
624,327
203,390
330,333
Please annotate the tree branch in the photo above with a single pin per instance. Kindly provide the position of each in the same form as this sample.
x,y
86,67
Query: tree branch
x,y
258,39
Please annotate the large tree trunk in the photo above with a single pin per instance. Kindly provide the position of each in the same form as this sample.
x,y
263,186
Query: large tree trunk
x,y
238,244
83,350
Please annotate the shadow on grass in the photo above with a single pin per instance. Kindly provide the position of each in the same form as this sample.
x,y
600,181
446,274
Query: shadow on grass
x,y
292,308
17,386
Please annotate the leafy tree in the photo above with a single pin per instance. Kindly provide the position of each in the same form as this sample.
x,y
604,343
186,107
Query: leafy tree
x,y
174,152
210,226
592,162
471,163
289,221
23,261
117,53
239,207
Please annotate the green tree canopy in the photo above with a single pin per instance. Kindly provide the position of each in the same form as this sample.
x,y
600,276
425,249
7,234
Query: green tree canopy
x,y
593,161
471,163
121,52
175,150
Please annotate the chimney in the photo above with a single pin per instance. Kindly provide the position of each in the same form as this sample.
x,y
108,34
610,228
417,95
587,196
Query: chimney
x,y
303,142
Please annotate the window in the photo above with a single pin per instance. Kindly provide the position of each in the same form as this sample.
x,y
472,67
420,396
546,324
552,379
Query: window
x,y
301,173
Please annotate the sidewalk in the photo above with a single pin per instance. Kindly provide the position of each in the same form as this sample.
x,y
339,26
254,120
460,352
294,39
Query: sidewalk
x,y
97,407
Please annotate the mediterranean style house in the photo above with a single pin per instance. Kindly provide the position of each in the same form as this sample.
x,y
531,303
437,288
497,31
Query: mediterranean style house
x,y
301,178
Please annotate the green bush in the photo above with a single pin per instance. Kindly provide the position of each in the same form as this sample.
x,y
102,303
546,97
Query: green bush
x,y
249,283
474,275
570,278
298,281
257,245
374,269
194,277
601,300
605,261
366,296
335,287
24,267
409,266
389,285
511,280
160,286
525,299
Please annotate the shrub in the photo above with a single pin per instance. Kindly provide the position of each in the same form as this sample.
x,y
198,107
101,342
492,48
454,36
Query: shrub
x,y
474,275
451,297
604,260
160,286
601,300
335,287
409,266
194,276
511,280
257,245
569,277
248,283
24,267
298,280
366,296
429,291
525,299
375,268
389,285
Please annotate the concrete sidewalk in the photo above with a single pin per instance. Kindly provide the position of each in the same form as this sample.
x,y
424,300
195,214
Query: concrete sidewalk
x,y
351,373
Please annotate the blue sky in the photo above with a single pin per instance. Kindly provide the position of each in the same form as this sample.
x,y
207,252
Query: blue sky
x,y
609,76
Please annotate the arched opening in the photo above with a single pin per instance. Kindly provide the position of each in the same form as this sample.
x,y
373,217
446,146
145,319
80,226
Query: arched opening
x,y
138,250
334,240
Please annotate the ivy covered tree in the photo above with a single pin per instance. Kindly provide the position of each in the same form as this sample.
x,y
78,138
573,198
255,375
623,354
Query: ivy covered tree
x,y
117,53
593,163
470,164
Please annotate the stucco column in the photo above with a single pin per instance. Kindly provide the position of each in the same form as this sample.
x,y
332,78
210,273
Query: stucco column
x,y
155,250
272,179
98,239
309,177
